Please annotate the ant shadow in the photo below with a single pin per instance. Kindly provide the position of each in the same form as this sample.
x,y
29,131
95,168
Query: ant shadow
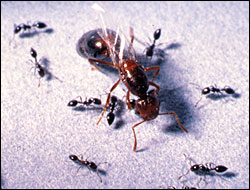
x,y
31,34
218,96
46,64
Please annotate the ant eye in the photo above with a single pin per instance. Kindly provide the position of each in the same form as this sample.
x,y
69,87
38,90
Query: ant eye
x,y
220,168
72,103
110,118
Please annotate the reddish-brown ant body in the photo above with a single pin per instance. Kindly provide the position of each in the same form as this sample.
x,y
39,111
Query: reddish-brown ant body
x,y
133,75
89,164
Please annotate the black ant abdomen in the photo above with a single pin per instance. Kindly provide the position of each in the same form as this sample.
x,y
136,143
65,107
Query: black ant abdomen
x,y
110,118
39,25
220,169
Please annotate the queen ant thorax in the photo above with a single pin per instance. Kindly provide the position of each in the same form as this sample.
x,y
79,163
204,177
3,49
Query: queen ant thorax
x,y
89,164
204,169
213,89
133,75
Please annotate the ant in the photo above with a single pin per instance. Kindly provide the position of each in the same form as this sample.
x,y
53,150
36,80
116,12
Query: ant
x,y
111,115
42,71
18,28
203,169
89,164
214,89
150,49
24,27
133,75
87,102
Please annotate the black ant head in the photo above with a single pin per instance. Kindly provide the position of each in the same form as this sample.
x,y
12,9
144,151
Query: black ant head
x,y
132,103
195,168
110,118
113,99
73,103
33,53
73,157
220,169
205,91
17,29
157,34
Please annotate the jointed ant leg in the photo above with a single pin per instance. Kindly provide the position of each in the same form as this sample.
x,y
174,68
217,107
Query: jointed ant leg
x,y
108,100
156,86
128,100
93,62
157,69
133,128
176,118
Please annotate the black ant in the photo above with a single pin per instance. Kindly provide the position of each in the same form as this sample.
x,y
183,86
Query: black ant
x,y
132,74
214,89
42,71
112,105
203,169
24,27
18,28
89,164
150,49
87,102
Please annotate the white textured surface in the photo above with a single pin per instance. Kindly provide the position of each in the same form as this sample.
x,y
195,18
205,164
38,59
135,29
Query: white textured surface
x,y
39,131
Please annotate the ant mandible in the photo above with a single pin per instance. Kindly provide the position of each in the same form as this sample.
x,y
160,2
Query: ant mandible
x,y
202,169
88,164
214,89
87,102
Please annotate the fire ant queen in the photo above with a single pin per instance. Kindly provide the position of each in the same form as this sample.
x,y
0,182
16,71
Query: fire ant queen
x,y
132,74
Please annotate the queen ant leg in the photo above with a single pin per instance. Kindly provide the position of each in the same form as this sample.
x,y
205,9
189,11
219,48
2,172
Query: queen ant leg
x,y
108,100
133,128
156,86
176,118
157,69
128,100
93,62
